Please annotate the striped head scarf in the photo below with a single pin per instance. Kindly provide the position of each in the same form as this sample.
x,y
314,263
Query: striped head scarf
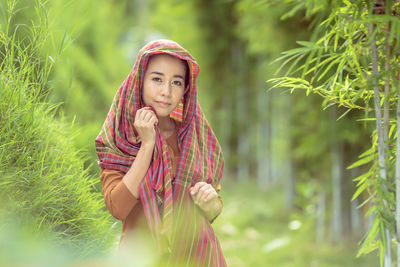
x,y
179,229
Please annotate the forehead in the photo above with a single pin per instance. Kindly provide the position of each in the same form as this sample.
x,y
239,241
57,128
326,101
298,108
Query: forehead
x,y
167,62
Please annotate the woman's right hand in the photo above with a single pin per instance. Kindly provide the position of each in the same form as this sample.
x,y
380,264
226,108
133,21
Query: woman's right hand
x,y
145,119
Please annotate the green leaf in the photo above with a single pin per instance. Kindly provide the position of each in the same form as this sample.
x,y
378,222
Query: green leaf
x,y
328,68
362,161
362,177
368,242
344,114
360,189
368,152
335,42
370,211
392,130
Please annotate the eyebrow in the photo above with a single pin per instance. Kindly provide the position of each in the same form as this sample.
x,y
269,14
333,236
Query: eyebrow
x,y
162,74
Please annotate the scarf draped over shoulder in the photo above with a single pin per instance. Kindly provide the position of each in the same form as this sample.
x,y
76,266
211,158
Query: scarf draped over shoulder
x,y
179,229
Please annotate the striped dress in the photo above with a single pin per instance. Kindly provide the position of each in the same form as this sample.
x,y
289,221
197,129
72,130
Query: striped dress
x,y
179,230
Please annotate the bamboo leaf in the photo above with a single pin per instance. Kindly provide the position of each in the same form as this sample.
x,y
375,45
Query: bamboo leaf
x,y
360,189
362,177
392,130
370,211
382,236
368,152
344,114
368,242
362,161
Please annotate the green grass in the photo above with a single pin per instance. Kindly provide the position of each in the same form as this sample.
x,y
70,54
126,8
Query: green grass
x,y
44,186
253,230
249,226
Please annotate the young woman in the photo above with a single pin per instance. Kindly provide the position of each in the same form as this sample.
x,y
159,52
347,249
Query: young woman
x,y
161,163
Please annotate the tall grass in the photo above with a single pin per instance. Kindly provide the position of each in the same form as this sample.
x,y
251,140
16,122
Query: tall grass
x,y
93,63
43,181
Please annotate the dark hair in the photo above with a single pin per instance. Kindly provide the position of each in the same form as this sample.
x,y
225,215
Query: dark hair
x,y
187,76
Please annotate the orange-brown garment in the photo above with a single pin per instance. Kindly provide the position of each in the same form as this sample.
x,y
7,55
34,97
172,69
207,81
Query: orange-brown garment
x,y
121,203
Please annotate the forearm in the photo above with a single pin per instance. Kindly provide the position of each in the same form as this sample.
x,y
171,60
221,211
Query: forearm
x,y
117,197
139,168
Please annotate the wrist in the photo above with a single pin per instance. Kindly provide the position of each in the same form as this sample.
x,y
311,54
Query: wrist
x,y
148,145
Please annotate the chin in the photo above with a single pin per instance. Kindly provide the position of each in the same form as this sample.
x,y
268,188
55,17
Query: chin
x,y
163,112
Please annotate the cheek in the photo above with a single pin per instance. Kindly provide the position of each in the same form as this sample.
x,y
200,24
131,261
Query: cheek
x,y
180,93
146,93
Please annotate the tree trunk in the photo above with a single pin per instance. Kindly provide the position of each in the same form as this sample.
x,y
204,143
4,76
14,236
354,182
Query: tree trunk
x,y
355,214
287,160
277,117
381,145
242,114
290,184
321,211
263,138
226,130
387,90
398,174
337,231
356,222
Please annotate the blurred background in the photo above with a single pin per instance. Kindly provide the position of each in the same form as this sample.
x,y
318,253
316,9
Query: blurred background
x,y
286,188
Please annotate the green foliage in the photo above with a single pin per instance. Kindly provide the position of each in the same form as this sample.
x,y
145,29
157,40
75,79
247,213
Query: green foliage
x,y
93,37
92,66
270,236
338,65
48,179
260,23
43,181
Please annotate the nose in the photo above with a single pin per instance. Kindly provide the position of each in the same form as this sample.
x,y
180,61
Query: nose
x,y
166,89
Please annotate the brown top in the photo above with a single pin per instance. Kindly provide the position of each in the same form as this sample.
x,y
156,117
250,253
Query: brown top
x,y
120,201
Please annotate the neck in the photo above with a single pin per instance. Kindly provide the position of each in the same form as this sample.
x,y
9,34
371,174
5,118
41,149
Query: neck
x,y
165,124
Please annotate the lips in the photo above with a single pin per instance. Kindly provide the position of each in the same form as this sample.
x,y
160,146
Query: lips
x,y
163,104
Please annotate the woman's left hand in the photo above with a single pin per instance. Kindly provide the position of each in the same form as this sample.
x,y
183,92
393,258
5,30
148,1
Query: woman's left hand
x,y
206,198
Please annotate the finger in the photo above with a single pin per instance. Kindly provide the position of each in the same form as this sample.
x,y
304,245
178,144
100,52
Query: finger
x,y
154,120
144,116
141,110
196,187
211,195
202,187
195,199
151,114
144,108
203,192
138,114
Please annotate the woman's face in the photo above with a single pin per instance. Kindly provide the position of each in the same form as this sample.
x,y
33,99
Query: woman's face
x,y
164,83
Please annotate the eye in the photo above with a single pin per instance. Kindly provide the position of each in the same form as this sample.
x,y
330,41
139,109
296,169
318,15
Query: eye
x,y
177,83
156,79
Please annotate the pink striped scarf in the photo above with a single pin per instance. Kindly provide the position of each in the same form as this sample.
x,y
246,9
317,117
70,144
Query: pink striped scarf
x,y
179,229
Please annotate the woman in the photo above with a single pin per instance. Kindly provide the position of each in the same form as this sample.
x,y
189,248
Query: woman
x,y
161,164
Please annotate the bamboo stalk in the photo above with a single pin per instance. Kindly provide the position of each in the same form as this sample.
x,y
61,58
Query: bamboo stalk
x,y
381,145
398,174
387,90
336,178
